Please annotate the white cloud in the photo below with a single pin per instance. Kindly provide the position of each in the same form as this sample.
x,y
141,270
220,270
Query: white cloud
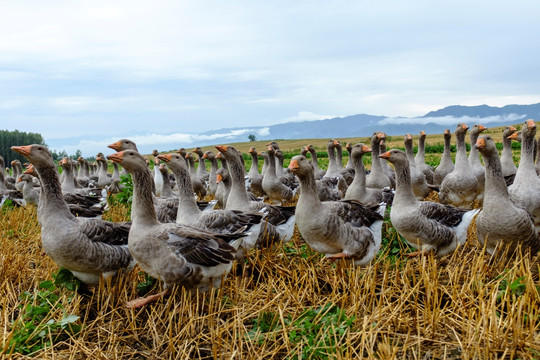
x,y
307,116
452,120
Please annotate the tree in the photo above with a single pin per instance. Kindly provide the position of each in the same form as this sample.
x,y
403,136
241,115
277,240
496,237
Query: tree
x,y
17,138
252,137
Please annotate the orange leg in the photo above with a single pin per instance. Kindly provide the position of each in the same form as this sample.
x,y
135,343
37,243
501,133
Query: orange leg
x,y
140,302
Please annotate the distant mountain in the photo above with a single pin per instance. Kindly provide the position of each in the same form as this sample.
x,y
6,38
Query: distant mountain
x,y
364,125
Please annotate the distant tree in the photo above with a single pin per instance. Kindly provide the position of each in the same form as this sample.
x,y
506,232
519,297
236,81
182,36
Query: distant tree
x,y
252,137
77,154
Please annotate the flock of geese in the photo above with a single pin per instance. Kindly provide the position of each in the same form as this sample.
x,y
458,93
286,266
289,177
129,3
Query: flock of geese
x,y
339,212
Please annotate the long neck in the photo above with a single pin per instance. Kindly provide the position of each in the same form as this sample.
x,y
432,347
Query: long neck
x,y
446,151
339,157
359,181
167,189
375,160
142,210
313,153
421,154
404,191
474,156
507,146
526,163
271,165
187,203
213,168
238,196
409,151
461,156
495,189
67,183
308,191
51,200
202,167
254,169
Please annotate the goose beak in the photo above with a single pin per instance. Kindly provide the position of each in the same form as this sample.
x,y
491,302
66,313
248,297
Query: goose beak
x,y
513,136
408,137
380,136
366,149
293,166
422,133
116,157
447,131
115,146
385,155
531,125
19,179
464,127
482,127
511,128
219,178
221,148
480,144
165,157
205,156
336,142
23,150
30,170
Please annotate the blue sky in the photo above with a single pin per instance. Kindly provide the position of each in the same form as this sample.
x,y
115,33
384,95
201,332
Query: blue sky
x,y
86,73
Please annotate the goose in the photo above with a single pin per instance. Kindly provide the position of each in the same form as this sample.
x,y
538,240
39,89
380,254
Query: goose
x,y
83,177
30,193
418,179
427,226
158,179
166,191
319,173
103,175
174,253
116,172
276,191
282,173
460,187
198,185
377,179
348,147
339,229
89,248
525,191
347,172
201,170
224,187
212,183
501,223
387,170
255,178
280,219
358,190
420,159
333,170
220,221
474,160
446,165
507,160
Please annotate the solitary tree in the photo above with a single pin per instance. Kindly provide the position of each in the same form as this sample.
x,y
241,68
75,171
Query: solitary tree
x,y
252,137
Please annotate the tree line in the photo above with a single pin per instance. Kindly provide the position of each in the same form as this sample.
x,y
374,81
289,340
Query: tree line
x,y
21,138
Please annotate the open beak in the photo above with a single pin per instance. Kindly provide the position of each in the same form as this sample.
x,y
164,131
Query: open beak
x,y
480,144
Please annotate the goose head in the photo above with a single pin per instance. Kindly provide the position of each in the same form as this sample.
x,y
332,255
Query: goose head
x,y
123,144
486,145
395,156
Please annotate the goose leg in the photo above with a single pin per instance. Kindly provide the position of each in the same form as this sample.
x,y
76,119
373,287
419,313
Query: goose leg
x,y
336,257
140,302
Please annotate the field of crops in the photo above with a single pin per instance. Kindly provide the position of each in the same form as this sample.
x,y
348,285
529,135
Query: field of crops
x,y
282,303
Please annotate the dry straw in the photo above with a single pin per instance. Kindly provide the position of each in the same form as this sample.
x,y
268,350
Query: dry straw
x,y
462,306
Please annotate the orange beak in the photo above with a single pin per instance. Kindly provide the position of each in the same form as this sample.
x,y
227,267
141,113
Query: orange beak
x,y
336,142
422,133
219,178
447,131
482,127
294,165
513,136
222,148
511,128
23,150
205,156
366,149
464,127
385,155
408,137
115,146
480,144
380,136
165,157
30,170
116,157
531,125
19,179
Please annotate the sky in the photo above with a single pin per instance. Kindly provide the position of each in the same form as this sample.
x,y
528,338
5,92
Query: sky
x,y
87,73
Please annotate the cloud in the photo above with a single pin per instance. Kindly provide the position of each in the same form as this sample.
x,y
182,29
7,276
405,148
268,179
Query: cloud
x,y
452,120
162,142
307,116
